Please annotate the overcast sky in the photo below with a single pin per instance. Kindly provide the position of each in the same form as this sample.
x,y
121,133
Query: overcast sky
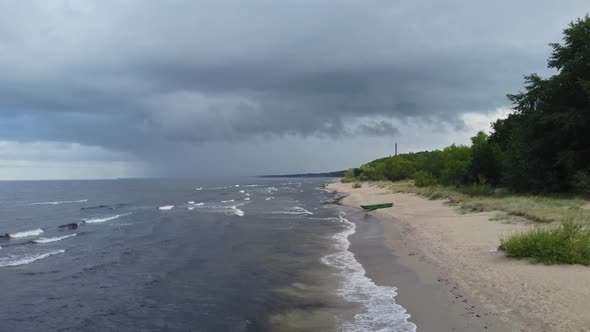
x,y
102,89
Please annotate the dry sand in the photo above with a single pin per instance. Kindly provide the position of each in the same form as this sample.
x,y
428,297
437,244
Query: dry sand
x,y
459,252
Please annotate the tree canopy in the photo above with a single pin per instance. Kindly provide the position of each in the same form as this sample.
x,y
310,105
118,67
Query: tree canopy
x,y
544,146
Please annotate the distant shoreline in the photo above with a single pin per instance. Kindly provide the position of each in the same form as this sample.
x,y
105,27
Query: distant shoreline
x,y
335,174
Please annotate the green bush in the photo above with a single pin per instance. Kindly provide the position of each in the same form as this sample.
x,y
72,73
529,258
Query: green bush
x,y
424,179
568,243
357,185
347,180
397,168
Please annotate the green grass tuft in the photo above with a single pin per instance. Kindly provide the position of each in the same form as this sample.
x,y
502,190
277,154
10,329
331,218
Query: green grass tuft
x,y
567,243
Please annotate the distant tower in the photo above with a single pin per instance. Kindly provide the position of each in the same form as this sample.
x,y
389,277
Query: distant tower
x,y
396,149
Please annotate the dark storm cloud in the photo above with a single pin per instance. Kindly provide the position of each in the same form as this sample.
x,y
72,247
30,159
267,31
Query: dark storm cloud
x,y
136,75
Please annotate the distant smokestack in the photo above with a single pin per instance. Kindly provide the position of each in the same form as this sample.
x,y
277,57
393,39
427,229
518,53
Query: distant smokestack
x,y
396,149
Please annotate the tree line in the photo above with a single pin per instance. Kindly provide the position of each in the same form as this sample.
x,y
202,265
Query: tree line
x,y
544,146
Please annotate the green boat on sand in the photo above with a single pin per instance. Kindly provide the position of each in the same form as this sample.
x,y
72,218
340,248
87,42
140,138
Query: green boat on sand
x,y
377,206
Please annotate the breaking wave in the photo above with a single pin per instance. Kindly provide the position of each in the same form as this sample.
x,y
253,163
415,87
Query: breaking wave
x,y
236,211
380,312
296,210
166,207
53,239
99,220
59,202
32,232
26,259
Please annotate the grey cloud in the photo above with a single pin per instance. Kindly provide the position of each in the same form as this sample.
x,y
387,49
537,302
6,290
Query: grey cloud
x,y
134,75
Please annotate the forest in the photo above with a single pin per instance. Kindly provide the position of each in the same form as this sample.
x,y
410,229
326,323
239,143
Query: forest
x,y
542,147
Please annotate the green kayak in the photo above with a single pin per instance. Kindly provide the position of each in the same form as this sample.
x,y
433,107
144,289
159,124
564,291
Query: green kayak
x,y
377,206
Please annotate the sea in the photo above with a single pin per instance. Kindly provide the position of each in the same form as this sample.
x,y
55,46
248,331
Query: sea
x,y
240,254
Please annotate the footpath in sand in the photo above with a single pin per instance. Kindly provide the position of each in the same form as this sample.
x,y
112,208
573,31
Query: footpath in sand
x,y
462,250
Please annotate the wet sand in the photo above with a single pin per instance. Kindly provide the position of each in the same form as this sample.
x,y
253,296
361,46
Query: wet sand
x,y
449,275
432,307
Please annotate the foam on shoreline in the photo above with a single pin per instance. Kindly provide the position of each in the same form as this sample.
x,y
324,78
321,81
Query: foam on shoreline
x,y
380,312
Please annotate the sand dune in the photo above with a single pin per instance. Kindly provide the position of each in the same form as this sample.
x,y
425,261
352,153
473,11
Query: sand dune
x,y
462,248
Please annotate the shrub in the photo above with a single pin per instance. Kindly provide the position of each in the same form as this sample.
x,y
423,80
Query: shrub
x,y
346,180
424,179
568,243
357,185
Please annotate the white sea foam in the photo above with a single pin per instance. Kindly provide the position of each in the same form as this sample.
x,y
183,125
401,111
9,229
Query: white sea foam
x,y
32,232
242,191
236,211
53,239
228,201
237,185
99,220
166,207
296,210
190,202
26,259
268,198
380,312
190,207
59,202
200,204
199,188
247,198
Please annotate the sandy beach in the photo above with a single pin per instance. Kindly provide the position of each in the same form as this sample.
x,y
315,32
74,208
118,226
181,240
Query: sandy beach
x,y
454,256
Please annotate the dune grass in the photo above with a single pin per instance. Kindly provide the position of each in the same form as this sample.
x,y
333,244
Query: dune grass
x,y
561,237
540,208
566,243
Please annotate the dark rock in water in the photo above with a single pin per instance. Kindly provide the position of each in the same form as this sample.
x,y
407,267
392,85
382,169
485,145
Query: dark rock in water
x,y
5,236
69,226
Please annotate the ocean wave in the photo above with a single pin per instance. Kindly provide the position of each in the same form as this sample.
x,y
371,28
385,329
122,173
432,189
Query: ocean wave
x,y
228,201
381,313
296,210
53,239
100,220
247,198
199,188
236,211
242,191
59,202
190,202
32,232
26,259
268,198
166,207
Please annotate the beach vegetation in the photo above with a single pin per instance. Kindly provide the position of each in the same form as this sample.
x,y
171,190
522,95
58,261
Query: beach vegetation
x,y
565,243
424,179
357,185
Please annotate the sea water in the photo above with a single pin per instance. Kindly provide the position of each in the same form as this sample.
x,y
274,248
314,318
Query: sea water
x,y
243,254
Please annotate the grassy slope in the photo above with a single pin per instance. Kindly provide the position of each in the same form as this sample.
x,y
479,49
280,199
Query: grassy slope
x,y
567,242
535,207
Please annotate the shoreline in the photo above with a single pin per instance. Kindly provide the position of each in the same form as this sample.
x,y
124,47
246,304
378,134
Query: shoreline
x,y
451,259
